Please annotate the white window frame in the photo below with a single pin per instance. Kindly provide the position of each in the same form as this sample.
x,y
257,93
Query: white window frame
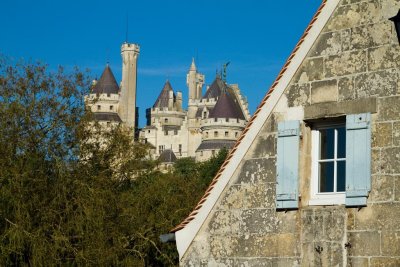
x,y
329,198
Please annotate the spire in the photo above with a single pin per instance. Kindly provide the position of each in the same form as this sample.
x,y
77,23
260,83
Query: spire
x,y
107,83
193,65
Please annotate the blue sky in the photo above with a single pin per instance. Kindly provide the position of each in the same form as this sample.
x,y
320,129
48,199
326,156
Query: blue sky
x,y
256,36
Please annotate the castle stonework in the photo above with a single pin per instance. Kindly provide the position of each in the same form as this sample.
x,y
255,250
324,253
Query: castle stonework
x,y
213,121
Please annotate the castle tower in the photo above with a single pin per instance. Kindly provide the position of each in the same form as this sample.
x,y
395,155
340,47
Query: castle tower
x,y
127,108
194,81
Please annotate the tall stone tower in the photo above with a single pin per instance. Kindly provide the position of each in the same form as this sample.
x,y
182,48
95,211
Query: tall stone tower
x,y
194,81
127,108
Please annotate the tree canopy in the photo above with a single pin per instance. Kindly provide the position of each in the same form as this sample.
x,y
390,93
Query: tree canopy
x,y
59,206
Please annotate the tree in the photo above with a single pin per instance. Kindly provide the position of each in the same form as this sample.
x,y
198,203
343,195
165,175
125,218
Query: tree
x,y
67,196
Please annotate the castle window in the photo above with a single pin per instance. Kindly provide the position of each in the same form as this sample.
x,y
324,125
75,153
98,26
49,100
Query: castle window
x,y
108,94
226,134
160,149
206,134
166,120
215,134
215,119
236,134
227,119
111,107
98,107
180,149
204,114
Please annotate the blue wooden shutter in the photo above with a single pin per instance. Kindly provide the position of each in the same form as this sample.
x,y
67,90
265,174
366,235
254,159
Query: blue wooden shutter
x,y
287,192
358,159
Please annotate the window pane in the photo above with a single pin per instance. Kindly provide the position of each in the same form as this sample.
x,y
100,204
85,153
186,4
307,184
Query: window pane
x,y
341,176
327,143
326,176
341,150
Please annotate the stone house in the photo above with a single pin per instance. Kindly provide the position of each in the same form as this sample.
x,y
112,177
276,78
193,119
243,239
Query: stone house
x,y
314,178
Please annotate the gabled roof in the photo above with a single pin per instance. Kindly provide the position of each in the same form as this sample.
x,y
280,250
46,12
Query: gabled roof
x,y
107,83
167,156
162,100
186,231
227,106
215,88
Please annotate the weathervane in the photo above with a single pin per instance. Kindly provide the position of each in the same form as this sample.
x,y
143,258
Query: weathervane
x,y
224,67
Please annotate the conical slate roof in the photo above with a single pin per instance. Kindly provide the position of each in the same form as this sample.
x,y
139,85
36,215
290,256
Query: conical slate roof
x,y
162,100
215,88
107,83
167,156
227,107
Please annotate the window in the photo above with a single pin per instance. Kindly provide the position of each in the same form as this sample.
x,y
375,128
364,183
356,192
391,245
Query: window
x,y
180,149
206,134
160,149
328,183
175,132
108,94
108,123
201,153
204,114
227,119
236,134
98,107
111,107
340,162
226,134
166,120
165,132
215,134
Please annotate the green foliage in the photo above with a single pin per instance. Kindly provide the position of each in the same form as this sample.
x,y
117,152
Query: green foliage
x,y
67,196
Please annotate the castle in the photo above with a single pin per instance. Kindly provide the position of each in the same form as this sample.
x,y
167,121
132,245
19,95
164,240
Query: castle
x,y
214,120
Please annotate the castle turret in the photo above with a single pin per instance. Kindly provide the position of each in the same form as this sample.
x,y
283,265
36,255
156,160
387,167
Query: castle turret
x,y
194,81
127,108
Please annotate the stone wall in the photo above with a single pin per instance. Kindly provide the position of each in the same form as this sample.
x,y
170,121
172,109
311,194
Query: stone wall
x,y
352,68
